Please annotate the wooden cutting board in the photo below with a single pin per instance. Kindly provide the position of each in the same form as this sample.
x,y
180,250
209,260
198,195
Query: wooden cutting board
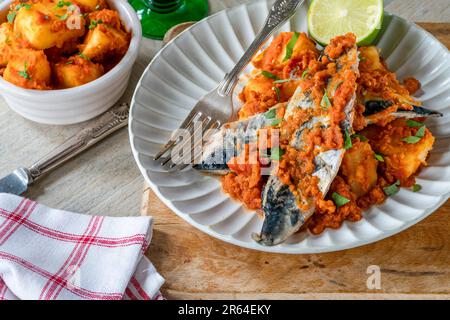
x,y
413,264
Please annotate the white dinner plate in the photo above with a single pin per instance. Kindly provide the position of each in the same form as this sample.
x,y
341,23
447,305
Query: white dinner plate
x,y
196,61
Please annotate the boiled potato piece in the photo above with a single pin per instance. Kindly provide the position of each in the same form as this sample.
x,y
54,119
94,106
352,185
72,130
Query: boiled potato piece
x,y
76,71
44,25
359,168
90,5
274,55
370,57
28,68
6,36
105,37
402,159
103,41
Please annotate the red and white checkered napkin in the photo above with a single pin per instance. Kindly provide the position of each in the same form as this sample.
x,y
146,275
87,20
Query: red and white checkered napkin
x,y
53,254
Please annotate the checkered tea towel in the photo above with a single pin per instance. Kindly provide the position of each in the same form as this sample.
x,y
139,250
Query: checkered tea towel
x,y
52,254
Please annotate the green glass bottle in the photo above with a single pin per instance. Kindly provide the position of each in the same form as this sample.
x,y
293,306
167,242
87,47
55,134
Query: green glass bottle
x,y
158,16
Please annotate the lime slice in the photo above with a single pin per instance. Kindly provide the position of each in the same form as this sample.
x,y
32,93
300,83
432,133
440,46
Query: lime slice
x,y
331,18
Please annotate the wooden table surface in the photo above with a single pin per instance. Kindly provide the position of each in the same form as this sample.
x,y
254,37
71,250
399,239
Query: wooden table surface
x,y
105,180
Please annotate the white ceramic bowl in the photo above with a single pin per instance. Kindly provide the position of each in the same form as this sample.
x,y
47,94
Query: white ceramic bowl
x,y
82,103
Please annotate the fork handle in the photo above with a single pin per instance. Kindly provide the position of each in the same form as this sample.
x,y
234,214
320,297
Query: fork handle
x,y
281,11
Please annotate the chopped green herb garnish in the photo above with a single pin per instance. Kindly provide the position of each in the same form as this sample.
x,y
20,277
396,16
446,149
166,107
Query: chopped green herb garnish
x,y
278,92
84,56
339,200
337,86
276,122
26,5
11,16
69,62
419,135
95,23
63,17
282,81
417,187
271,113
392,189
379,157
276,153
269,75
325,102
97,7
421,132
304,74
360,136
412,123
411,139
361,58
62,3
348,140
290,46
24,73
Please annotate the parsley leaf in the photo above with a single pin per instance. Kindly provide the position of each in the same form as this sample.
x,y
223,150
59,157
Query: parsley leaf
x,y
360,136
69,62
271,113
95,23
11,16
379,157
417,187
62,3
392,189
269,75
276,153
411,139
337,85
339,200
348,140
361,58
412,123
84,56
282,81
63,17
278,92
290,46
304,74
419,135
325,102
276,122
421,132
24,73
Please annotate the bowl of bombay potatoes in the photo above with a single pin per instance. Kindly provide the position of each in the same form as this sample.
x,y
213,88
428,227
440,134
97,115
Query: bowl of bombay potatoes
x,y
64,62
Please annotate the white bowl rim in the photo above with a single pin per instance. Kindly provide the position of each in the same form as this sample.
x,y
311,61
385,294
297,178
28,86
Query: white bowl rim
x,y
127,59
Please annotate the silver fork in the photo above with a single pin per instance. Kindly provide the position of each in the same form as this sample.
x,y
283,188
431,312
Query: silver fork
x,y
215,108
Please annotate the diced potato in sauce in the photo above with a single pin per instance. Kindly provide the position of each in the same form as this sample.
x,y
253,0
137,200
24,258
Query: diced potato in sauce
x,y
41,25
402,159
359,168
76,71
29,68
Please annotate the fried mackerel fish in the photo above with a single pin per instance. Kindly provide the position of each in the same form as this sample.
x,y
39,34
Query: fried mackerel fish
x,y
312,140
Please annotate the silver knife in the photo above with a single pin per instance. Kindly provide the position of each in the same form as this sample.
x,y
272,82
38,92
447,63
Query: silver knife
x,y
112,120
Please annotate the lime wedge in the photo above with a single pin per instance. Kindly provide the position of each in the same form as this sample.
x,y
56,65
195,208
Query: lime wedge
x,y
331,18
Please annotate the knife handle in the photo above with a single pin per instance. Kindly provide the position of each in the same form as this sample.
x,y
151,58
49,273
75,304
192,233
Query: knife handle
x,y
98,129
